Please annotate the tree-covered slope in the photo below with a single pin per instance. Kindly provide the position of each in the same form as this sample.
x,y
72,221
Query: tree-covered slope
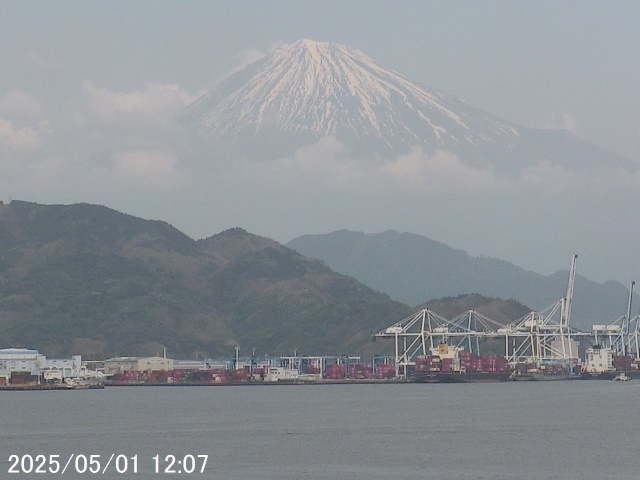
x,y
88,280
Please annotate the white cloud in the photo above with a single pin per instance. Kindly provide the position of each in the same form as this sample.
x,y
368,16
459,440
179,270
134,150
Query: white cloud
x,y
325,163
19,105
326,166
440,172
246,57
250,55
107,146
21,121
131,152
546,179
152,169
18,138
104,122
551,180
154,103
561,121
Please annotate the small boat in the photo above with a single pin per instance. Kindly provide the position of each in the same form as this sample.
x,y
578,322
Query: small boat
x,y
622,377
82,383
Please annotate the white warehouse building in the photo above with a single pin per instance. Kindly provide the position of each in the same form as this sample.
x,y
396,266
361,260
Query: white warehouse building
x,y
21,360
26,360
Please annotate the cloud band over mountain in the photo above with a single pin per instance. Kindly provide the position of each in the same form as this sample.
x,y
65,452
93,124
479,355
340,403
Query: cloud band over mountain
x,y
476,181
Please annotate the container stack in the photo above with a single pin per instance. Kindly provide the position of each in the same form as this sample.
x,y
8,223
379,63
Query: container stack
x,y
180,376
622,363
360,371
429,363
385,370
336,371
466,360
241,375
494,363
23,378
311,370
447,365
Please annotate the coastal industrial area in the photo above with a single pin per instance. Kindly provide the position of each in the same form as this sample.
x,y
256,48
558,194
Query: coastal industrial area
x,y
427,348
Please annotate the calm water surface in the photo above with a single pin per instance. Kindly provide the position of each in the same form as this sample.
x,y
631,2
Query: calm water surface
x,y
584,430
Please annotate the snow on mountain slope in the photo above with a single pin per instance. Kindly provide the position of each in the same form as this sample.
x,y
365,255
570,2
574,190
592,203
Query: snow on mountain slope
x,y
309,90
317,89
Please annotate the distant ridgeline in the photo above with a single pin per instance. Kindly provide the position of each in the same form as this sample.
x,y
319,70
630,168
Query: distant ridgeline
x,y
87,280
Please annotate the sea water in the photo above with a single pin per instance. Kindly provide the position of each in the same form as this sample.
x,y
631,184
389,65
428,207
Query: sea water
x,y
588,430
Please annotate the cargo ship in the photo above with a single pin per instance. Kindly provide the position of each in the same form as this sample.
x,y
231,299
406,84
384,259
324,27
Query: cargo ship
x,y
544,371
451,364
602,364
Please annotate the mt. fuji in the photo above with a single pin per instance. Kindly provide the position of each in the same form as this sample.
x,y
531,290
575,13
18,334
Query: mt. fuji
x,y
308,90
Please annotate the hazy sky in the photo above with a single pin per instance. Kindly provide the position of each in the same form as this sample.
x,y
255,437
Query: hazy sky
x,y
91,94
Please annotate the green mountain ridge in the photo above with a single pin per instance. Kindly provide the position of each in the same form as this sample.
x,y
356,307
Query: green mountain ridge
x,y
85,279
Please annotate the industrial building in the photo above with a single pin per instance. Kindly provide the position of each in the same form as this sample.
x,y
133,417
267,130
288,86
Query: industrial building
x,y
21,360
24,366
124,364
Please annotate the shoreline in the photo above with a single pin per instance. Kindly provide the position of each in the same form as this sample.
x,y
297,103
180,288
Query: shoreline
x,y
347,381
372,381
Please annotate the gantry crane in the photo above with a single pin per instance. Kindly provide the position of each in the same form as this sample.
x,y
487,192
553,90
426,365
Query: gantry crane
x,y
537,337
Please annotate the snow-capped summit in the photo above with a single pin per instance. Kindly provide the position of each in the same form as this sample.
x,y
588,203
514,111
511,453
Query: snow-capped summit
x,y
308,90
316,89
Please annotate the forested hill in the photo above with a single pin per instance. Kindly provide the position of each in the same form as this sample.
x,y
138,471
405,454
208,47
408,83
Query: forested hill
x,y
85,279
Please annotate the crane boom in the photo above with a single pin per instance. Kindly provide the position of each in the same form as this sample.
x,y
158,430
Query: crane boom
x,y
627,321
565,318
